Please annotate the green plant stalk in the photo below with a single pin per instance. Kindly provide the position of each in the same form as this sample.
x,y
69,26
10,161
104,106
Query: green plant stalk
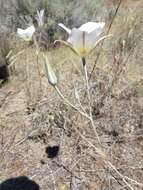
x,y
89,99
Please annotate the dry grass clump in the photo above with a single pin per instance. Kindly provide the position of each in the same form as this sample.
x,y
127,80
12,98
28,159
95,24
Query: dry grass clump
x,y
122,62
33,117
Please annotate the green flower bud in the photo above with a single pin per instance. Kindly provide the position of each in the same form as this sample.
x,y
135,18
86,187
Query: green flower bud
x,y
52,79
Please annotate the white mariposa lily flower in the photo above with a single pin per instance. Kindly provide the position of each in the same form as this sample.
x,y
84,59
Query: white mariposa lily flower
x,y
40,17
26,34
84,39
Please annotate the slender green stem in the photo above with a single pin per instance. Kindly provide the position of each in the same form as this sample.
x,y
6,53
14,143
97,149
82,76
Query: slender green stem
x,y
89,99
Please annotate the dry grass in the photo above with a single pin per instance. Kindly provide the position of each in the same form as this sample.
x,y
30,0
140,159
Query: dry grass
x,y
30,123
33,117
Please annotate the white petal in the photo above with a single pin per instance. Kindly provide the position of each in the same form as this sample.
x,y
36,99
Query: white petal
x,y
91,26
42,13
40,17
76,39
30,29
38,13
27,33
91,38
65,28
20,31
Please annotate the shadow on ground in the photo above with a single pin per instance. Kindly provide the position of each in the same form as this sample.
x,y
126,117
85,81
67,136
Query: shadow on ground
x,y
19,183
